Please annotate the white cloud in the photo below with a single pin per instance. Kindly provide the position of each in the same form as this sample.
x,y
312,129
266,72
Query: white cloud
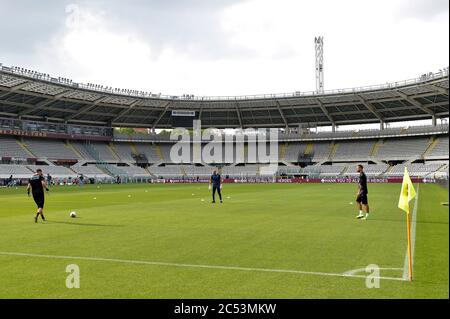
x,y
365,43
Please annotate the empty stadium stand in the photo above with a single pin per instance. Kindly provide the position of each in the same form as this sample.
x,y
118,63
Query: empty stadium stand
x,y
9,147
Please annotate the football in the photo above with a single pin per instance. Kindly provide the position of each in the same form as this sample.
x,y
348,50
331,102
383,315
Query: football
x,y
73,214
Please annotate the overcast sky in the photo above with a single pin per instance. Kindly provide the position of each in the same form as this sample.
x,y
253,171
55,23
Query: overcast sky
x,y
218,47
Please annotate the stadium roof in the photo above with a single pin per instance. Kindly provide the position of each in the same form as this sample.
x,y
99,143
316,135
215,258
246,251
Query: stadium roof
x,y
35,96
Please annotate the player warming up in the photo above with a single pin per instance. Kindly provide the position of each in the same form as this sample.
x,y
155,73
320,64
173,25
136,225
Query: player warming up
x,y
216,182
361,199
36,185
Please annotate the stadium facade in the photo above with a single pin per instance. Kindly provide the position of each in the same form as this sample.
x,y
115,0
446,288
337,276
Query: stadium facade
x,y
68,128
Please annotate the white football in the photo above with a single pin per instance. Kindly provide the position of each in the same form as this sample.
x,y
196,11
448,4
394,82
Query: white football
x,y
73,214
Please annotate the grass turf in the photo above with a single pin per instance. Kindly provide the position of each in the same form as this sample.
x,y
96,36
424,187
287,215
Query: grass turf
x,y
307,227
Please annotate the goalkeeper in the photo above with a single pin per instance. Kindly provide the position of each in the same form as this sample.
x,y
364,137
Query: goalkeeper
x,y
216,183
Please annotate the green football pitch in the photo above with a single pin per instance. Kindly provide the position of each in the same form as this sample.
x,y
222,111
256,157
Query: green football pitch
x,y
264,241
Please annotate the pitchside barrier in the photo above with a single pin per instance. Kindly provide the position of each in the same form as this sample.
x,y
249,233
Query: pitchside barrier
x,y
249,180
301,180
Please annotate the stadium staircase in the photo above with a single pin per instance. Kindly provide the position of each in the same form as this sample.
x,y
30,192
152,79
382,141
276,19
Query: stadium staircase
x,y
113,151
376,146
151,174
441,168
74,150
309,148
388,170
245,153
345,170
159,152
25,147
333,149
134,150
283,152
432,144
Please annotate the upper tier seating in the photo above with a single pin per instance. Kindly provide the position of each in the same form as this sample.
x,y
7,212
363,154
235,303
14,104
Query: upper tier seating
x,y
9,147
79,146
51,149
355,150
104,152
321,151
403,148
293,150
149,151
440,150
124,151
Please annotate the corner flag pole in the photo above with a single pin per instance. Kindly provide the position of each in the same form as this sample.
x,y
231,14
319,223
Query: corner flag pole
x,y
408,222
406,195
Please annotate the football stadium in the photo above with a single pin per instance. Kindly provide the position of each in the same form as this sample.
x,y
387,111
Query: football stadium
x,y
129,178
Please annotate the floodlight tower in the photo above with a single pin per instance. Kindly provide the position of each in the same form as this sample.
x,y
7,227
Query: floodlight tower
x,y
319,64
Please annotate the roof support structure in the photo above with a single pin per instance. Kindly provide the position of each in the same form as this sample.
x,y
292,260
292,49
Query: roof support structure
x,y
86,108
166,107
14,88
238,112
439,89
281,113
125,111
327,114
415,103
370,107
43,104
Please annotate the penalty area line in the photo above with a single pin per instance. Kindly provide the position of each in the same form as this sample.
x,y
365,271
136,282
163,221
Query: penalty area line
x,y
198,266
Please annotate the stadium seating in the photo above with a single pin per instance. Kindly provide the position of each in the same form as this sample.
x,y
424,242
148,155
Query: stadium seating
x,y
441,148
403,148
134,171
355,150
321,151
200,171
17,171
54,171
369,169
325,170
104,152
51,149
249,170
343,154
124,151
293,150
149,151
79,147
9,147
90,171
415,169
169,171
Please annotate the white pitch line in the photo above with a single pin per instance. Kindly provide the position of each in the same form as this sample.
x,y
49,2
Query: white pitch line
x,y
413,237
157,263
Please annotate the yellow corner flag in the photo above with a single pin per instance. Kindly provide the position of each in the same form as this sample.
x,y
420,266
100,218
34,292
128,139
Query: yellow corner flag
x,y
406,195
408,192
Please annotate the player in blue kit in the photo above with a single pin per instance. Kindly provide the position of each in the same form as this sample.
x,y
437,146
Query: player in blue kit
x,y
216,183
